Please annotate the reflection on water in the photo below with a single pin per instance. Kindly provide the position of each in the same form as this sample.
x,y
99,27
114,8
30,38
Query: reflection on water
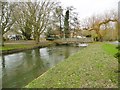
x,y
21,68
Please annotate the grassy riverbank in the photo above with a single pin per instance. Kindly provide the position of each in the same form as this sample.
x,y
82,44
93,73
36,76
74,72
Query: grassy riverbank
x,y
16,46
110,49
92,67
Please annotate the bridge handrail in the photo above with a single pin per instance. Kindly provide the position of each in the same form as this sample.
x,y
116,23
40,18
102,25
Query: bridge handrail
x,y
77,39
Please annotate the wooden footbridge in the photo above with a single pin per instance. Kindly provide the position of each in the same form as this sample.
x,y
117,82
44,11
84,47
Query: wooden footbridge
x,y
74,40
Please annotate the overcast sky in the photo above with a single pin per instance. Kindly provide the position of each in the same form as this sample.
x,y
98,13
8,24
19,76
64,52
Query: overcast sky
x,y
86,8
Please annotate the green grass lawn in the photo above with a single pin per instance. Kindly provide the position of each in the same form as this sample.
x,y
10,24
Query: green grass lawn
x,y
15,46
110,49
91,67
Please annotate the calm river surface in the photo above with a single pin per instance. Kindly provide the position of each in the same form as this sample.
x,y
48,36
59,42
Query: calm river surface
x,y
21,68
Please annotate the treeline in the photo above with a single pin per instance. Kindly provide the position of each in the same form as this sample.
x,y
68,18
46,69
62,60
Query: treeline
x,y
32,19
29,18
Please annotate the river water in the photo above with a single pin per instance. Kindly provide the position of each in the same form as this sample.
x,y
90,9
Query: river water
x,y
21,68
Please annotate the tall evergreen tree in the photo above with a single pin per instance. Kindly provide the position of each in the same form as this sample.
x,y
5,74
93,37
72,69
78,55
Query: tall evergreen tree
x,y
66,25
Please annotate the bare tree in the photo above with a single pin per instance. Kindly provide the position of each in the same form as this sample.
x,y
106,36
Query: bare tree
x,y
41,15
23,19
95,22
34,17
6,21
59,15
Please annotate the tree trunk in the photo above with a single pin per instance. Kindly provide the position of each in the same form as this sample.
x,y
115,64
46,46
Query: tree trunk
x,y
2,41
37,38
60,28
3,62
27,36
99,35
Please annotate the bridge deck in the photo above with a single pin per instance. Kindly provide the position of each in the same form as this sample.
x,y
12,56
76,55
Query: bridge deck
x,y
74,40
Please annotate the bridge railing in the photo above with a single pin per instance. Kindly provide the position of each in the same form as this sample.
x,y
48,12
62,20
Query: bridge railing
x,y
77,40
